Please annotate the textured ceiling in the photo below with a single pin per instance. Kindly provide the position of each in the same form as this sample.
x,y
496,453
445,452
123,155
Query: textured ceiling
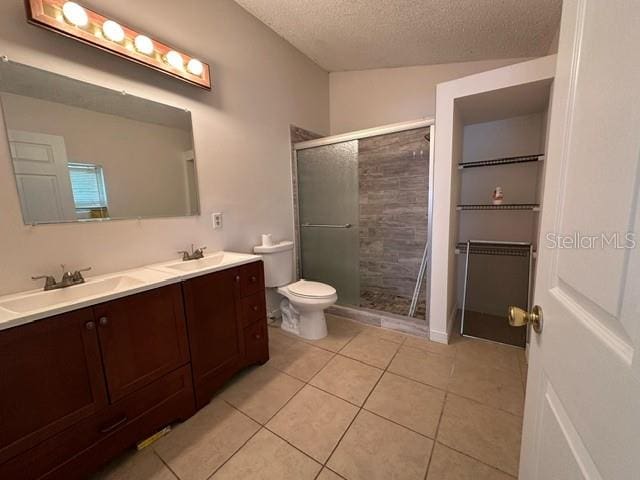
x,y
361,34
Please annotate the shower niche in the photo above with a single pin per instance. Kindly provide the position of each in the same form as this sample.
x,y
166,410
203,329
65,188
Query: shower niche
x,y
363,218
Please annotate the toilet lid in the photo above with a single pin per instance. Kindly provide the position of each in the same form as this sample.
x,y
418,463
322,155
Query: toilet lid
x,y
311,289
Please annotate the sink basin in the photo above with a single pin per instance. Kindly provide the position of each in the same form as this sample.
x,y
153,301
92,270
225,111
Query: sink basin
x,y
210,263
192,265
43,300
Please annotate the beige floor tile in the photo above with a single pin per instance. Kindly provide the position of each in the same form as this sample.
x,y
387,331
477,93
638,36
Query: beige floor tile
x,y
347,379
300,360
327,474
376,449
385,334
196,448
489,435
524,370
423,367
261,392
267,457
313,421
340,332
132,466
371,350
447,464
279,339
430,347
499,388
412,404
489,354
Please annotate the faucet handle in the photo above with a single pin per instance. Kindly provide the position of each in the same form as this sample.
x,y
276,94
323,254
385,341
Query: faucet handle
x,y
49,283
77,275
41,277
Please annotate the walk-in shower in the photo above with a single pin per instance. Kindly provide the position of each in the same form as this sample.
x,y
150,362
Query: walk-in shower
x,y
363,216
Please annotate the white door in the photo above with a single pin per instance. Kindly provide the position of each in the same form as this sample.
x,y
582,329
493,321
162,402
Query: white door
x,y
582,413
42,177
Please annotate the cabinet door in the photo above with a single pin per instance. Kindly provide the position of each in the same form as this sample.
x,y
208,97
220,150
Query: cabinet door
x,y
50,378
215,332
142,338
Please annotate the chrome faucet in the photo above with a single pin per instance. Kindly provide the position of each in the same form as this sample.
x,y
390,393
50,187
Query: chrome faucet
x,y
194,255
68,279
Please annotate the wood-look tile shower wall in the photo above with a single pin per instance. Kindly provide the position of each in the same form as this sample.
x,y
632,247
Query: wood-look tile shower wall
x,y
393,175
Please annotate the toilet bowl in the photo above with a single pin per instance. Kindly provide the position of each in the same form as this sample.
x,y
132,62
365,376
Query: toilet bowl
x,y
305,301
303,308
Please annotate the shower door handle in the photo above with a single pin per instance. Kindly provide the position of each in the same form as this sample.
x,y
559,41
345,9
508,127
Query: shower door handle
x,y
326,225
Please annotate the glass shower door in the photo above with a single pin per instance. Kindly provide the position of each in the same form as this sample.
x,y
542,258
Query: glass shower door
x,y
328,214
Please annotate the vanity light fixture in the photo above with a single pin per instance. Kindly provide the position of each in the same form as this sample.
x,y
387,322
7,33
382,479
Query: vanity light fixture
x,y
113,31
75,21
143,44
195,66
75,14
174,59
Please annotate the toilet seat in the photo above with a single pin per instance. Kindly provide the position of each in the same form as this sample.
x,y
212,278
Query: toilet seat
x,y
305,289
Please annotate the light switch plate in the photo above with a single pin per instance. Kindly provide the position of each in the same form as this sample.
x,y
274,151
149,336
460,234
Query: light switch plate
x,y
216,219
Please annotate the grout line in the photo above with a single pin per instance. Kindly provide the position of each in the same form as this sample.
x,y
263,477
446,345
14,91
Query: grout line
x,y
168,467
475,459
435,437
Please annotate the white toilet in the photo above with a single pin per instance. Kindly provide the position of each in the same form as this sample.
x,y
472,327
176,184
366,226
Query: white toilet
x,y
304,303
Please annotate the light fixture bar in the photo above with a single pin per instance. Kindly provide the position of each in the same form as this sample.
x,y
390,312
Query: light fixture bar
x,y
78,22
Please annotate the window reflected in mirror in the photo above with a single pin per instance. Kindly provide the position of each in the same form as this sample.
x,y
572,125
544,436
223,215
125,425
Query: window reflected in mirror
x,y
81,152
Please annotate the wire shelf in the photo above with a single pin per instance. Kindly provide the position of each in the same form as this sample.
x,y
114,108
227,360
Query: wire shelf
x,y
505,206
499,248
501,161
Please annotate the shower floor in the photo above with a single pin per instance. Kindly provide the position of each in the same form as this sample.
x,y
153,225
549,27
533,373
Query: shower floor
x,y
387,302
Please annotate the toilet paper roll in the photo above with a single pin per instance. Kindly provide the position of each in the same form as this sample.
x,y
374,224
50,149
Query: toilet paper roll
x,y
267,240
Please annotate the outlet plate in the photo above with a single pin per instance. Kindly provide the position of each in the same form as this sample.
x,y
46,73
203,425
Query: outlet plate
x,y
216,220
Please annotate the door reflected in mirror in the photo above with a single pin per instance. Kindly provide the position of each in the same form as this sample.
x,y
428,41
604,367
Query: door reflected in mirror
x,y
81,152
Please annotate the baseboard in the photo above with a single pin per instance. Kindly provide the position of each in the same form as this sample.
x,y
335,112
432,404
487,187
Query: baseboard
x,y
444,337
438,336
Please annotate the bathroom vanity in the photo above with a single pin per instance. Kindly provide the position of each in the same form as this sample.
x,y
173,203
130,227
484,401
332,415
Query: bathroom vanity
x,y
86,375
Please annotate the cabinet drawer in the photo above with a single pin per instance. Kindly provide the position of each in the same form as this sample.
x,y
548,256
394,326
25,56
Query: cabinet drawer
x,y
112,421
251,278
256,341
253,308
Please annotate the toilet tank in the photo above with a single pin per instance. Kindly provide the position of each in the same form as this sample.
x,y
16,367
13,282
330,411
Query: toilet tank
x,y
278,263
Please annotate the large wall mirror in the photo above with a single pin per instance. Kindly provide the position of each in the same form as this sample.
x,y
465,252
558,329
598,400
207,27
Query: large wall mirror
x,y
81,152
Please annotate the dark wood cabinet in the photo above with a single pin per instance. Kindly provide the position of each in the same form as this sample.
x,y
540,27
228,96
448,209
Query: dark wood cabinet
x,y
214,331
142,338
114,373
50,378
218,307
79,388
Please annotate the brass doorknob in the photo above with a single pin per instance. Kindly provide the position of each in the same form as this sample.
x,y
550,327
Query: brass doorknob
x,y
519,317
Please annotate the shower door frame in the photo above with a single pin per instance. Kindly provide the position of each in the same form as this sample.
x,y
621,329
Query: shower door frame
x,y
358,135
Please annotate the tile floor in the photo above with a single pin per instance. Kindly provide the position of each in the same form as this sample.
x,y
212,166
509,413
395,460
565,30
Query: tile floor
x,y
362,404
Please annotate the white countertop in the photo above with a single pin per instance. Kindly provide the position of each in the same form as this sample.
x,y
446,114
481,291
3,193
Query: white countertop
x,y
25,307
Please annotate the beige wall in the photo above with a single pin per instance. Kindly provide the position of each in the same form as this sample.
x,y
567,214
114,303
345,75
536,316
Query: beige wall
x,y
143,163
370,98
241,129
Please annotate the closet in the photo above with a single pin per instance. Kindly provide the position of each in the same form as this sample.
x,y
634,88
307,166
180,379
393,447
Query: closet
x,y
499,188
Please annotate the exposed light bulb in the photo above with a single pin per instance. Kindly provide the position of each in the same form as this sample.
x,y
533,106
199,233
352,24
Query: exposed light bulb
x,y
144,44
195,67
113,31
174,59
75,14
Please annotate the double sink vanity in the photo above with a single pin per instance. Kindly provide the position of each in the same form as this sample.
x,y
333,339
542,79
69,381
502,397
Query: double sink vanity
x,y
89,370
